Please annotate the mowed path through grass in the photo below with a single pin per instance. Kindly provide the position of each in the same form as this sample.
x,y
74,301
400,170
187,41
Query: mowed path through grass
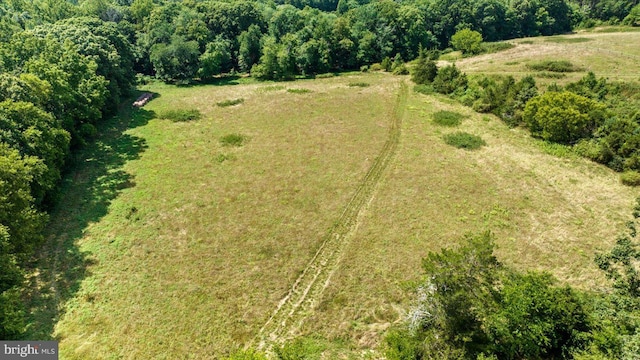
x,y
192,257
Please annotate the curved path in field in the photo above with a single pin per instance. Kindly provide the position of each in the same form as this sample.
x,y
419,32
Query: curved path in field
x,y
306,291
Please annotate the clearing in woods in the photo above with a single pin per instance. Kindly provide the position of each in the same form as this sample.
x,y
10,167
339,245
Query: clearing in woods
x,y
202,237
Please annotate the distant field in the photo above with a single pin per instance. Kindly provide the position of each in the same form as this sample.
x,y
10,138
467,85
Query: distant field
x,y
182,237
612,55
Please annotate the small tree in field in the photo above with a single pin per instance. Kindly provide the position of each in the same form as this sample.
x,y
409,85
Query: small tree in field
x,y
425,69
467,41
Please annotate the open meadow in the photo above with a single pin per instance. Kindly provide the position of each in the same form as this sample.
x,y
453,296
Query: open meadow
x,y
303,209
613,55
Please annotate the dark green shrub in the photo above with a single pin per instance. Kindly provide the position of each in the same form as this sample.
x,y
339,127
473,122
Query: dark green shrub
x,y
364,68
447,118
563,117
425,69
232,102
449,79
233,140
401,344
630,178
401,70
554,66
386,64
463,140
182,115
424,89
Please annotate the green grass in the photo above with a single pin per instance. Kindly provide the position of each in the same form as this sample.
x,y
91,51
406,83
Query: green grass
x,y
271,88
236,140
218,232
567,40
494,47
358,84
612,55
167,243
464,140
559,66
231,102
549,75
447,118
298,91
424,89
181,115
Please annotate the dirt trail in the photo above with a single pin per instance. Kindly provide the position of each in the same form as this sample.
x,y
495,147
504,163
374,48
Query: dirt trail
x,y
306,291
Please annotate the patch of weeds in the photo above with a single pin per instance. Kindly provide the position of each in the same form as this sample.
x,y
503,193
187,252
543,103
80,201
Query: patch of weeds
x,y
494,47
325,76
230,102
233,140
630,178
358,84
271,88
447,118
560,66
425,89
220,158
555,149
567,40
132,213
550,75
528,42
299,91
463,140
512,63
182,115
300,348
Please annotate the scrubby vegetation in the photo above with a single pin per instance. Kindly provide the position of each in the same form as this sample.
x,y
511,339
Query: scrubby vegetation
x,y
464,140
559,66
230,102
447,118
181,115
233,140
473,306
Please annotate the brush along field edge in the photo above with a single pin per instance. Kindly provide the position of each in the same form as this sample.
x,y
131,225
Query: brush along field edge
x,y
305,292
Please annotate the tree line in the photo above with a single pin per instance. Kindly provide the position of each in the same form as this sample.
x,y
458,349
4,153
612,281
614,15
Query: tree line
x,y
183,40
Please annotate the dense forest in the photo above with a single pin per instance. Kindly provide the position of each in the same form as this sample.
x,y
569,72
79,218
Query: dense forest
x,y
65,65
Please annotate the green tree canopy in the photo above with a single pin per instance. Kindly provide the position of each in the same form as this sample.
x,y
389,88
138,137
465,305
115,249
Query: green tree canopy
x,y
563,117
467,41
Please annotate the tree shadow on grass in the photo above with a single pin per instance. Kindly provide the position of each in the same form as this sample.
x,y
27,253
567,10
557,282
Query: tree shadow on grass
x,y
94,178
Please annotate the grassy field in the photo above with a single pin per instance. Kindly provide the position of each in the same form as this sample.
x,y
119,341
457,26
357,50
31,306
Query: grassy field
x,y
612,55
547,213
307,203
